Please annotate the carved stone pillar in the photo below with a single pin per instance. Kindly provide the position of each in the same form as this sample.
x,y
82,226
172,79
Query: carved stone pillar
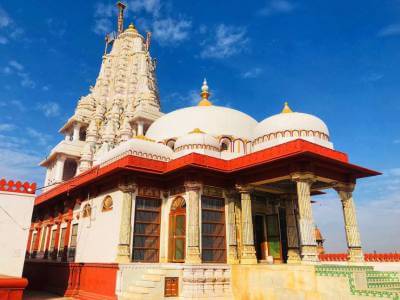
x,y
292,231
193,254
125,231
345,192
247,251
308,244
230,196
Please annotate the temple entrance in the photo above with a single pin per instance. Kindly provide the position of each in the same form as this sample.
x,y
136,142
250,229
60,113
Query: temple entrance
x,y
177,230
270,238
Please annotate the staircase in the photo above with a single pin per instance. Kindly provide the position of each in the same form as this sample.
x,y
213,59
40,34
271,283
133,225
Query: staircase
x,y
147,285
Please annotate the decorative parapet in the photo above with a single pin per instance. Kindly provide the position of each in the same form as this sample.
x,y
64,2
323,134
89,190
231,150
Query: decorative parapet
x,y
368,257
17,186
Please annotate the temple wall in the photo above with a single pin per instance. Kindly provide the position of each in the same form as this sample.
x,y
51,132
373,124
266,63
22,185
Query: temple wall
x,y
98,234
15,221
287,282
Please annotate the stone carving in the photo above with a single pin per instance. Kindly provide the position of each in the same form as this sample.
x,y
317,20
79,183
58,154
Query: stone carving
x,y
306,220
87,211
193,243
345,192
107,204
248,252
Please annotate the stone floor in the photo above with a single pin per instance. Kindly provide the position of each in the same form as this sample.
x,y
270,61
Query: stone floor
x,y
36,295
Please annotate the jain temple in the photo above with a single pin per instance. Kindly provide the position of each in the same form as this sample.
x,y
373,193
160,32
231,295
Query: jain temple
x,y
203,202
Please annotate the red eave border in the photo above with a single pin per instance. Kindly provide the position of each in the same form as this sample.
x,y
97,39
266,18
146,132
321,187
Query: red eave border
x,y
268,155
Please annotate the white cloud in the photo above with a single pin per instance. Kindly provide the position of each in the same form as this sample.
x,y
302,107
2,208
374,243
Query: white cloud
x,y
393,29
3,40
8,28
227,41
152,7
50,109
103,14
252,73
5,20
40,138
167,30
14,67
13,103
170,31
6,127
277,7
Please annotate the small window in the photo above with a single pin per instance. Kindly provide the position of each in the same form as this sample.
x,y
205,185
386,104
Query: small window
x,y
171,287
53,239
171,144
82,134
73,243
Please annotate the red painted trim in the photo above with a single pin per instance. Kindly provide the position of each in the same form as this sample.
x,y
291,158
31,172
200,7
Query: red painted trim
x,y
17,186
261,158
12,288
77,280
368,257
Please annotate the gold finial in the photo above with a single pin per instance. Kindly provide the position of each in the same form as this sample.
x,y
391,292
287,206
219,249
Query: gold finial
x,y
204,95
142,137
131,26
286,109
196,130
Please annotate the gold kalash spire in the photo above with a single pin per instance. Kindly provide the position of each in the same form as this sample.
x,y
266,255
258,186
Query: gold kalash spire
x,y
204,95
286,109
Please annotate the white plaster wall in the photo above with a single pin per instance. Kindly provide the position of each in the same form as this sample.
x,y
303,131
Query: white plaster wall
x,y
15,220
98,235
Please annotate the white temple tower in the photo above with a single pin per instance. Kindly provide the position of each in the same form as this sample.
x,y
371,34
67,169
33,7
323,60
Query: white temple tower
x,y
123,103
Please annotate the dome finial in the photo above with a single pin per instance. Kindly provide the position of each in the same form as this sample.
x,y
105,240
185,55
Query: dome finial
x,y
286,109
205,94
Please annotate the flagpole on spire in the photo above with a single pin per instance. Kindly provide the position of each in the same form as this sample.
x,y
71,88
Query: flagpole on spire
x,y
121,7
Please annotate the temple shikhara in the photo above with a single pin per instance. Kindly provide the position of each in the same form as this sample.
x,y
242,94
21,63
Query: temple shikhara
x,y
200,202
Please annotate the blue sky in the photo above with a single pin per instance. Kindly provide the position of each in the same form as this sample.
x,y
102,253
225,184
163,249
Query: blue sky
x,y
339,60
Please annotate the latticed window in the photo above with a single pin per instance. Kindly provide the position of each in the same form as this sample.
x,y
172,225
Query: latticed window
x,y
73,243
43,240
53,239
146,241
213,230
62,238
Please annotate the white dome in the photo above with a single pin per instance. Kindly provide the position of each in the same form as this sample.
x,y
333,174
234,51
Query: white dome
x,y
138,146
214,120
197,141
288,126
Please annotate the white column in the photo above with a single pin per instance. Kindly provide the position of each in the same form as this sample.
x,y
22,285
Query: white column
x,y
345,192
75,136
125,232
193,254
308,243
60,168
140,128
247,251
68,136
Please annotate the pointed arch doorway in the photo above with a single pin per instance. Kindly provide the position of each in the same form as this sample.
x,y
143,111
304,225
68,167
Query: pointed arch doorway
x,y
177,230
